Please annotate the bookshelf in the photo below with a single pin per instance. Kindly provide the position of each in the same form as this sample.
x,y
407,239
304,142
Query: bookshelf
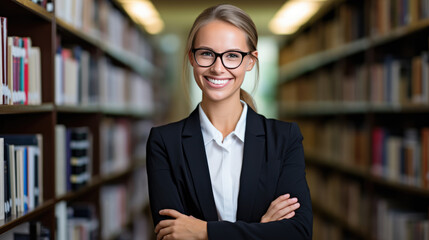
x,y
359,69
49,31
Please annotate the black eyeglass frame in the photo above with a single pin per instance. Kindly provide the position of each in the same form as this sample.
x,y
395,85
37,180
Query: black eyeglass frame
x,y
220,55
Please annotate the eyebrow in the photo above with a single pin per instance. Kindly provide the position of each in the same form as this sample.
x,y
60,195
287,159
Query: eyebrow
x,y
232,49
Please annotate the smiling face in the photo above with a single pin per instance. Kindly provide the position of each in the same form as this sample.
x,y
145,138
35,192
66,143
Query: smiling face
x,y
217,82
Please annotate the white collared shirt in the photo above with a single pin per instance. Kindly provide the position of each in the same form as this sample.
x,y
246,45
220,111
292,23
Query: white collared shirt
x,y
224,160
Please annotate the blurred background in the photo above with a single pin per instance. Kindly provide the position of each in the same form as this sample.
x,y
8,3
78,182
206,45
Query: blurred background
x,y
354,74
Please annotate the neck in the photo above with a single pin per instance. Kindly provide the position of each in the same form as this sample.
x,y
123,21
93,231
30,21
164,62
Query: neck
x,y
223,115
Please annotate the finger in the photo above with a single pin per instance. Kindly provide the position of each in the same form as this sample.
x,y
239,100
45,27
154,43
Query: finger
x,y
163,233
170,212
163,224
288,216
274,209
281,198
285,211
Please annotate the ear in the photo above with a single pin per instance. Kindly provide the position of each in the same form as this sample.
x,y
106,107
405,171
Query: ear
x,y
191,58
252,61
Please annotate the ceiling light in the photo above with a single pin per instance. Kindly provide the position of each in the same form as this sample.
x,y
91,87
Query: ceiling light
x,y
144,13
293,14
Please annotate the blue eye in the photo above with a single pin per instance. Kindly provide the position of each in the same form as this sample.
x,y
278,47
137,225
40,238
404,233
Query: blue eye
x,y
233,55
206,54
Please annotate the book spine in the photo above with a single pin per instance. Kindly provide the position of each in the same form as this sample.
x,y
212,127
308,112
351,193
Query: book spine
x,y
2,181
27,45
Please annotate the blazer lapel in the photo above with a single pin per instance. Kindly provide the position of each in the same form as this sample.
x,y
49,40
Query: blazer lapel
x,y
253,156
194,149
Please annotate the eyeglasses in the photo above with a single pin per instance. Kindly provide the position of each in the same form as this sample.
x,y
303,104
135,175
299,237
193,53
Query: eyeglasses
x,y
230,59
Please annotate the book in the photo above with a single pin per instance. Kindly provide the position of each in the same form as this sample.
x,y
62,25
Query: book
x,y
25,161
60,163
2,181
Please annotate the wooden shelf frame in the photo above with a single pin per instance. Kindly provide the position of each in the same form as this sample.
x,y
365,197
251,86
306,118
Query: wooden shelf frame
x,y
339,221
34,8
136,63
26,18
311,109
306,64
95,183
367,175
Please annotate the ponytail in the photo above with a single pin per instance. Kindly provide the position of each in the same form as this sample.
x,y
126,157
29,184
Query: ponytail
x,y
247,98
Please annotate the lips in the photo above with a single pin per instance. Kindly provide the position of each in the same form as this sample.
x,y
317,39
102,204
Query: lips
x,y
216,82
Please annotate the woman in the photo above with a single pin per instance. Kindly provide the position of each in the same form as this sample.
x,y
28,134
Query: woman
x,y
226,172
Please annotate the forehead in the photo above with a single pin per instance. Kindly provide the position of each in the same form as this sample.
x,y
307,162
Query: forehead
x,y
220,36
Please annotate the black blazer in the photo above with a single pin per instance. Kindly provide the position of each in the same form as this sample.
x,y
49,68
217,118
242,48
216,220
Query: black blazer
x,y
273,164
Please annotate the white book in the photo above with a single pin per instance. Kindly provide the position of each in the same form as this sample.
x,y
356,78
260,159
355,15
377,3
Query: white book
x,y
78,11
68,11
32,152
59,81
12,168
61,216
2,182
71,81
60,160
35,79
84,78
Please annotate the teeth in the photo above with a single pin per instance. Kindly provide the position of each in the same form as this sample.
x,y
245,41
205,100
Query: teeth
x,y
217,82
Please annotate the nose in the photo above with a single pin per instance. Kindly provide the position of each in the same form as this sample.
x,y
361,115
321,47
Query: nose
x,y
217,65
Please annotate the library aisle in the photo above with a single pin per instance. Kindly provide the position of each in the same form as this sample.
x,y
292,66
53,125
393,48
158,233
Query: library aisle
x,y
83,82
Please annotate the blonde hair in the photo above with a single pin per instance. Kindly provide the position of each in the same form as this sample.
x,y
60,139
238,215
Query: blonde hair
x,y
236,17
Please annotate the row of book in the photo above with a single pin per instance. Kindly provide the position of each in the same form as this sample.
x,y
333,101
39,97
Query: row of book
x,y
392,222
401,157
21,174
82,79
46,4
122,204
345,144
20,70
346,200
397,155
76,221
388,15
343,198
393,82
353,21
73,153
27,230
101,20
116,148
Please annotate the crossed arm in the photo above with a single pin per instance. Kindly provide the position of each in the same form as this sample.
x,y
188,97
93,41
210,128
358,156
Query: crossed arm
x,y
285,216
182,226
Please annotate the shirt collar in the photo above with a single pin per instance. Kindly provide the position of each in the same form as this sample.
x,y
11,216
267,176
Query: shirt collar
x,y
210,132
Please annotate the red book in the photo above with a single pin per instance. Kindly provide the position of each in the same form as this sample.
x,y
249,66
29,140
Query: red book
x,y
27,45
15,69
3,41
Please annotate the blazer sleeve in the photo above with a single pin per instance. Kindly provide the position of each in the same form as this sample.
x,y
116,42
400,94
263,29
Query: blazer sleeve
x,y
163,193
292,180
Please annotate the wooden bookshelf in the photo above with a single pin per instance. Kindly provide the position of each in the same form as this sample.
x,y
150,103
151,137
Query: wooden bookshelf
x,y
340,221
291,71
27,19
138,64
314,90
23,109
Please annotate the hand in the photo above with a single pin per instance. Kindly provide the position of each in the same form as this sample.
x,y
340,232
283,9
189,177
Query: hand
x,y
181,227
282,208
